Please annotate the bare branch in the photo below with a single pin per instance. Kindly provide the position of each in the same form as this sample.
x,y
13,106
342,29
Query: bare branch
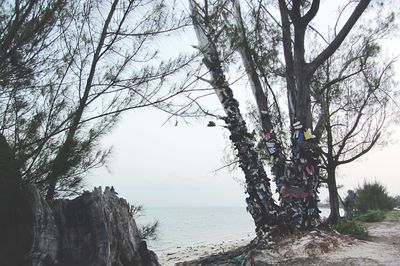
x,y
328,51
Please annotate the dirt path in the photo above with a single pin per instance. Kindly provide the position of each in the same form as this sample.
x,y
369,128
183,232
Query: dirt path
x,y
382,249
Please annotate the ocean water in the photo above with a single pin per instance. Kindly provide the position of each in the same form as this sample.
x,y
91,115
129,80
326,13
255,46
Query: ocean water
x,y
184,227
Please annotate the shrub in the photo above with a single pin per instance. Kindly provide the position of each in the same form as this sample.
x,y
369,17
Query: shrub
x,y
393,216
373,196
397,201
351,228
371,216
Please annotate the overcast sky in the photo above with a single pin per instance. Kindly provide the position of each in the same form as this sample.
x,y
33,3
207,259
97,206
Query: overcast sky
x,y
170,165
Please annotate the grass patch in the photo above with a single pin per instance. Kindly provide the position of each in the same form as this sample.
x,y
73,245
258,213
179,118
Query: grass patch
x,y
392,216
371,216
351,228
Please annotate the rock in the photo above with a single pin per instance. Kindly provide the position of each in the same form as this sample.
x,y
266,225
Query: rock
x,y
45,233
96,228
16,216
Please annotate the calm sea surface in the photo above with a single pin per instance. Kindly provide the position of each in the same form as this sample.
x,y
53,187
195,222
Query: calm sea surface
x,y
183,227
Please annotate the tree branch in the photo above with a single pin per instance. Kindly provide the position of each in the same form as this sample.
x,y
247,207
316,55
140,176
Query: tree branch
x,y
312,12
328,51
373,142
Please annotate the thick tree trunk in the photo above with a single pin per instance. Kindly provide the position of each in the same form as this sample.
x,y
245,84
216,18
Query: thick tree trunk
x,y
300,195
277,159
302,174
260,203
333,198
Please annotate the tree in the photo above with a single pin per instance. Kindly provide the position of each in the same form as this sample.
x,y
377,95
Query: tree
x,y
97,64
271,127
260,203
373,196
397,201
298,197
354,123
295,18
353,91
297,178
28,32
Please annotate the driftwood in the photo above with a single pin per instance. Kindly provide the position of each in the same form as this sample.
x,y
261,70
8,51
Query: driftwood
x,y
96,228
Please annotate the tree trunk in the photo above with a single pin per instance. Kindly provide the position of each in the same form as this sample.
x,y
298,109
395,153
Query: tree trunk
x,y
302,174
260,203
333,197
331,169
59,167
276,157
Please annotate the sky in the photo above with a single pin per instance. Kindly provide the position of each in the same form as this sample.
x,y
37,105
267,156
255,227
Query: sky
x,y
167,165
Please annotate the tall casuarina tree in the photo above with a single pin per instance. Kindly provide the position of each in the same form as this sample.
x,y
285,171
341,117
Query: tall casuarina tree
x,y
303,178
260,203
298,178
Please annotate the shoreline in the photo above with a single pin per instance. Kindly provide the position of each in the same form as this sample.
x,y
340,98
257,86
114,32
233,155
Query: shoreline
x,y
314,248
194,252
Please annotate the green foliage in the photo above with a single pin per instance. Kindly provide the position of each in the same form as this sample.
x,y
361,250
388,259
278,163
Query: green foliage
x,y
371,216
373,196
393,216
351,228
137,210
397,201
149,231
53,129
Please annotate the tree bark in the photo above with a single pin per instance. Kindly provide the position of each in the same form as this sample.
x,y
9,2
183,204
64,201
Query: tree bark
x,y
277,159
331,166
333,197
260,203
302,174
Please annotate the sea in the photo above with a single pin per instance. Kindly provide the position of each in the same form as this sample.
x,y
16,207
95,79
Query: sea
x,y
186,227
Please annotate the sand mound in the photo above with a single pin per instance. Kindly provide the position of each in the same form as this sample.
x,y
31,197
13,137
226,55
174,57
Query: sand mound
x,y
325,247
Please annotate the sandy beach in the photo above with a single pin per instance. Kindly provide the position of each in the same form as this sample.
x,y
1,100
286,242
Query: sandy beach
x,y
314,248
196,252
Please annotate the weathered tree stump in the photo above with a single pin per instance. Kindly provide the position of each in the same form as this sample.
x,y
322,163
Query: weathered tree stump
x,y
96,228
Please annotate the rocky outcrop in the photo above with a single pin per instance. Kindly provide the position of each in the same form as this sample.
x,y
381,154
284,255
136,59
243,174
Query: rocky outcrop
x,y
96,228
45,233
15,214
